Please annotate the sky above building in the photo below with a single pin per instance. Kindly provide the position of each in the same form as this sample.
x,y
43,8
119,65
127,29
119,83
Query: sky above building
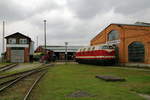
x,y
73,21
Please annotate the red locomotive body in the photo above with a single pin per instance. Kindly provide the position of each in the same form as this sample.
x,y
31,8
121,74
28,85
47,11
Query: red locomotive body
x,y
101,54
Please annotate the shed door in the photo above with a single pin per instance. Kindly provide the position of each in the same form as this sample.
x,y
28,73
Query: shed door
x,y
17,56
136,52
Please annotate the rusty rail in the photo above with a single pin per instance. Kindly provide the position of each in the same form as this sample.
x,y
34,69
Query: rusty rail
x,y
33,85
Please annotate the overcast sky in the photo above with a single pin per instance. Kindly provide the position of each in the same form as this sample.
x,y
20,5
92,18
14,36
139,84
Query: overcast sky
x,y
73,21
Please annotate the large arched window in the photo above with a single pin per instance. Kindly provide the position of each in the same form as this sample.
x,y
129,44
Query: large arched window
x,y
113,35
136,52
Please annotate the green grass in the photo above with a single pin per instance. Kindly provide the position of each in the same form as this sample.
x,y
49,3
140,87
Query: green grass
x,y
3,64
63,80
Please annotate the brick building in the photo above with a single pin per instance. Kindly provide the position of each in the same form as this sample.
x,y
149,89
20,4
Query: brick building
x,y
19,48
132,41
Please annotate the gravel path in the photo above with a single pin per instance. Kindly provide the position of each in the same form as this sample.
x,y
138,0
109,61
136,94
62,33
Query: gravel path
x,y
25,66
147,97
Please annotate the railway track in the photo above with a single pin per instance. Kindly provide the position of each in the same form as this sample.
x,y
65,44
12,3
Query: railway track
x,y
4,79
10,83
7,67
22,76
22,72
33,85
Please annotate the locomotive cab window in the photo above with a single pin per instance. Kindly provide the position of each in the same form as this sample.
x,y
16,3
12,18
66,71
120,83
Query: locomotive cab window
x,y
84,49
105,47
89,49
93,48
110,47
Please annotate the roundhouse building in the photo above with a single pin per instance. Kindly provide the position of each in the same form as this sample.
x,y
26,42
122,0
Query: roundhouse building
x,y
132,41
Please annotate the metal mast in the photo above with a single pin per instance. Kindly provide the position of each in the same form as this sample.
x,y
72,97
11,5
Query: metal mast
x,y
3,37
66,43
3,41
45,35
37,40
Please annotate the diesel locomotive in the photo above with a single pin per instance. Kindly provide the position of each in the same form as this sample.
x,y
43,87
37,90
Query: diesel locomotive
x,y
101,55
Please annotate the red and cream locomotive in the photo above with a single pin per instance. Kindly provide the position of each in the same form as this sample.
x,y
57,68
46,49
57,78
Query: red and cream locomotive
x,y
101,54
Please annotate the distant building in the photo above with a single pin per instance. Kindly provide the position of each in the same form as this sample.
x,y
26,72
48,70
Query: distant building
x,y
59,51
132,41
19,48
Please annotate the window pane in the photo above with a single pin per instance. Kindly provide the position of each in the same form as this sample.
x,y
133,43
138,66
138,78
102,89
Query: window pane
x,y
105,47
23,41
12,41
113,35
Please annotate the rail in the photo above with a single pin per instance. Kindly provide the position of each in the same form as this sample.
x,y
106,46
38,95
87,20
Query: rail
x,y
33,85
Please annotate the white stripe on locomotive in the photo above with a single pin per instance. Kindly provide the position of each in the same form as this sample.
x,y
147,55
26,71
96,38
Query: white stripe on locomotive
x,y
95,56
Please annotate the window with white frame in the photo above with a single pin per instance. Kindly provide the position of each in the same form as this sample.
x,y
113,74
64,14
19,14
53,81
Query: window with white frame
x,y
113,35
12,41
23,41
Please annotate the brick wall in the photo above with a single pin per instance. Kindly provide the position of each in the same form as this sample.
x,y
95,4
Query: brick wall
x,y
26,55
8,54
127,35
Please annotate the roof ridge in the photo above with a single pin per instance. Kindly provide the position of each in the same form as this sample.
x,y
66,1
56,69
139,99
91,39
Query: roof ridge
x,y
136,24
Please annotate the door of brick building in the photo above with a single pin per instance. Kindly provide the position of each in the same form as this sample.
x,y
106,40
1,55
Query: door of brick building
x,y
17,56
136,52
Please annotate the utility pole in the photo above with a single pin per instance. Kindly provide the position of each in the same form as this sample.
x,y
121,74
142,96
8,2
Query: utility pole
x,y
3,41
37,44
66,43
45,35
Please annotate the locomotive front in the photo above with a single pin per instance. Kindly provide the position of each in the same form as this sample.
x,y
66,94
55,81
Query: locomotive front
x,y
100,55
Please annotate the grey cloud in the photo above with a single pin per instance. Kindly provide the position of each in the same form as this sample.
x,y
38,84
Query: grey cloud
x,y
47,6
10,10
86,9
131,7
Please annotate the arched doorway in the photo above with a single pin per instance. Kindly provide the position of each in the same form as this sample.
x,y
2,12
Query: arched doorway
x,y
136,52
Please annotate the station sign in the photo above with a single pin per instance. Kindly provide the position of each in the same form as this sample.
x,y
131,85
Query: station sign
x,y
113,42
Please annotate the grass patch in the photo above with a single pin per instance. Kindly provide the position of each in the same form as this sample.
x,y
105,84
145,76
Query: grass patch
x,y
63,80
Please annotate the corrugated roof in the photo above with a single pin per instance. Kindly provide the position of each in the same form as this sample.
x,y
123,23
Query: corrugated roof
x,y
62,48
136,24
